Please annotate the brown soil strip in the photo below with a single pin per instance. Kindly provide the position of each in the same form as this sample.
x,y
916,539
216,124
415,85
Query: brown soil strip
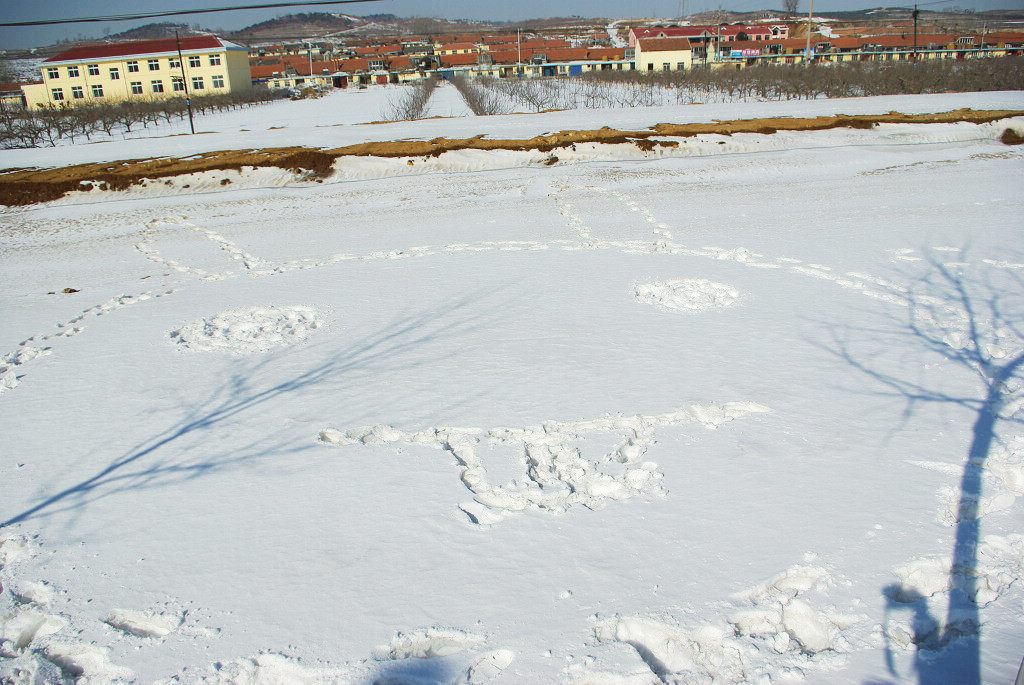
x,y
29,186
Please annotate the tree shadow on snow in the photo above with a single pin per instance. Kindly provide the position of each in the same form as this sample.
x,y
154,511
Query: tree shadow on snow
x,y
151,464
957,315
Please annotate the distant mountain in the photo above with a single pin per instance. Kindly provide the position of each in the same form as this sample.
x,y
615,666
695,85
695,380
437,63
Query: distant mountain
x,y
154,32
293,25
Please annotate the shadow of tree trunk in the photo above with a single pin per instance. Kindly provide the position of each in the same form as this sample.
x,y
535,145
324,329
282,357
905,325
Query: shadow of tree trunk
x,y
972,323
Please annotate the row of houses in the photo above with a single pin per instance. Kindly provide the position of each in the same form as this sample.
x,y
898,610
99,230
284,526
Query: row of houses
x,y
669,53
201,65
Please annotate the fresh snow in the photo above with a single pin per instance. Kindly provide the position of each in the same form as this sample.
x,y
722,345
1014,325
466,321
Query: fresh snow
x,y
693,415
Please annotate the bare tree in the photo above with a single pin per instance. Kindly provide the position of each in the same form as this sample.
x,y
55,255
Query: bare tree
x,y
791,6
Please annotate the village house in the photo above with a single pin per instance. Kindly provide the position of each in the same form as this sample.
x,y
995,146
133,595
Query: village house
x,y
140,70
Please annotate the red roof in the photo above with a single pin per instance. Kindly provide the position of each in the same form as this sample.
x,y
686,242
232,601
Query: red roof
x,y
606,53
85,53
565,54
664,44
458,46
459,60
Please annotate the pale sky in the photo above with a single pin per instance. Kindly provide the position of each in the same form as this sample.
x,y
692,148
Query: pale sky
x,y
28,10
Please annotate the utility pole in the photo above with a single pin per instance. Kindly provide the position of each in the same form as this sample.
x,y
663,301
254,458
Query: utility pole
x,y
519,53
718,29
810,19
184,82
915,15
309,48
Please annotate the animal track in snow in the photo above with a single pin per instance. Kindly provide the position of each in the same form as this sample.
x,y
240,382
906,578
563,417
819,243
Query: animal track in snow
x,y
557,476
248,331
691,295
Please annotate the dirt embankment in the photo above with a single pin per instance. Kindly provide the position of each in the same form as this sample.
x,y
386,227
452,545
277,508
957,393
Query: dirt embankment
x,y
29,186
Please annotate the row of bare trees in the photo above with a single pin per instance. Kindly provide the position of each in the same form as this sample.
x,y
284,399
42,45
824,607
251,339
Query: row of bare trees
x,y
481,99
21,128
766,82
411,102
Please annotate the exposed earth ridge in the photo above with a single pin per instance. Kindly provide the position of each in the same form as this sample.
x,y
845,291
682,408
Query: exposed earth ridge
x,y
30,186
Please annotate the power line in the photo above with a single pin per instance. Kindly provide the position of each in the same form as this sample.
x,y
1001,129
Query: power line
x,y
154,15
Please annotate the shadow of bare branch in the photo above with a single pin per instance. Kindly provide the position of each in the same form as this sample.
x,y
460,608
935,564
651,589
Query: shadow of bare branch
x,y
150,464
966,317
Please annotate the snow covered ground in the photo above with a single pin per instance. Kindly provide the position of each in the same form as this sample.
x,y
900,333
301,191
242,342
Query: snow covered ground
x,y
711,414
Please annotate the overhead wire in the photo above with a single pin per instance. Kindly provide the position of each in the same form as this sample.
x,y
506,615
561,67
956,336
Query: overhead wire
x,y
173,13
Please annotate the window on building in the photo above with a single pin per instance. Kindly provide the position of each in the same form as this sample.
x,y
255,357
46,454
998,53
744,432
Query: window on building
x,y
52,72
76,92
97,91
174,63
218,81
58,94
197,83
154,64
177,84
115,75
193,60
73,72
665,66
681,66
136,87
214,60
157,86
133,66
94,70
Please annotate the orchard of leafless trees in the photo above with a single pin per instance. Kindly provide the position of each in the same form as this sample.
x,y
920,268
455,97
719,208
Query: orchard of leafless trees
x,y
46,127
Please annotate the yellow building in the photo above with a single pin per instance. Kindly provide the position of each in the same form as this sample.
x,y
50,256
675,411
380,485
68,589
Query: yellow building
x,y
141,70
664,54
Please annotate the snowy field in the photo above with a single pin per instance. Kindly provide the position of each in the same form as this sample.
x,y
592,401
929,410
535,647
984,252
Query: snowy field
x,y
750,410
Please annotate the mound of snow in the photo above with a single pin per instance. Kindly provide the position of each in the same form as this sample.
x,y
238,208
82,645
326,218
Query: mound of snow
x,y
690,295
251,330
142,624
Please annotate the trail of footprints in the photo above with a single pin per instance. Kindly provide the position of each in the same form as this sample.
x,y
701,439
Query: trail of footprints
x,y
662,242
556,475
